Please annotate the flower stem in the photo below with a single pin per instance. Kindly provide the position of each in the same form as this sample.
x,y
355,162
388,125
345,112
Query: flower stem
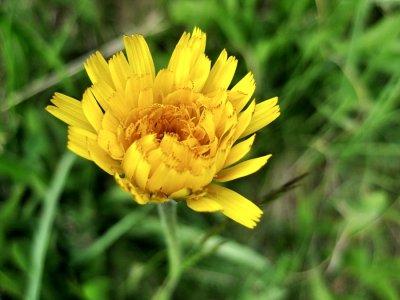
x,y
167,213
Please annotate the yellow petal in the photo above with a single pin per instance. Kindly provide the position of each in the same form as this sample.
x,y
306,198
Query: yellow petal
x,y
102,92
78,141
207,123
163,85
182,43
221,73
180,194
142,173
132,90
264,113
134,87
199,72
200,64
179,63
163,176
197,43
220,157
102,159
139,55
197,182
203,204
119,105
92,110
174,167
126,185
110,122
224,114
108,141
68,110
129,163
241,93
136,167
242,169
166,180
222,110
239,151
120,71
145,98
97,69
180,67
244,120
83,143
188,62
234,205
181,97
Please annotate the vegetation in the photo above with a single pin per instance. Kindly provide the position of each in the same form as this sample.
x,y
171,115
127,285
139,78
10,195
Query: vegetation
x,y
331,222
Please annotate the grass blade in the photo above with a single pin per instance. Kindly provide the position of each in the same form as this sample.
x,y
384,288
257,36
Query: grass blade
x,y
41,239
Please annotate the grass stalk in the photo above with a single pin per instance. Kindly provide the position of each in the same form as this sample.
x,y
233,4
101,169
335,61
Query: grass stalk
x,y
42,236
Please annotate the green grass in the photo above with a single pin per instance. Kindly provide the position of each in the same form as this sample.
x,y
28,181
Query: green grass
x,y
333,234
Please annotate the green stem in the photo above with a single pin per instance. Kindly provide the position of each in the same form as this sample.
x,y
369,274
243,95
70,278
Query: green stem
x,y
41,240
167,213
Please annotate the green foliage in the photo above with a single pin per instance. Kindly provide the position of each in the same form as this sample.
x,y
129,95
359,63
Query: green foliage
x,y
332,234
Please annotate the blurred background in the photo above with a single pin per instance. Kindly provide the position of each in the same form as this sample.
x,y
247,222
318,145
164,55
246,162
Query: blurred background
x,y
330,193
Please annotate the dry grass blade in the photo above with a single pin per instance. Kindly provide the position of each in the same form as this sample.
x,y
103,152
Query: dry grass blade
x,y
286,187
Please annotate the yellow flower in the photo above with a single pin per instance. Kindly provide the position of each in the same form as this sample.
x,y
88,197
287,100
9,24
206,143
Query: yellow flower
x,y
171,134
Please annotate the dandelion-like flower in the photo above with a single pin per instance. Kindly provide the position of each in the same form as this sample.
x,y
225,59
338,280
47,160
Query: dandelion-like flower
x,y
171,134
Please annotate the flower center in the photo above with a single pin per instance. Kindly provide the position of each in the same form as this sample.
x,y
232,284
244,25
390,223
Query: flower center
x,y
181,121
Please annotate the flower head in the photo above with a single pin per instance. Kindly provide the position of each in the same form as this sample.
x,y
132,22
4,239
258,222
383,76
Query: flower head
x,y
170,134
